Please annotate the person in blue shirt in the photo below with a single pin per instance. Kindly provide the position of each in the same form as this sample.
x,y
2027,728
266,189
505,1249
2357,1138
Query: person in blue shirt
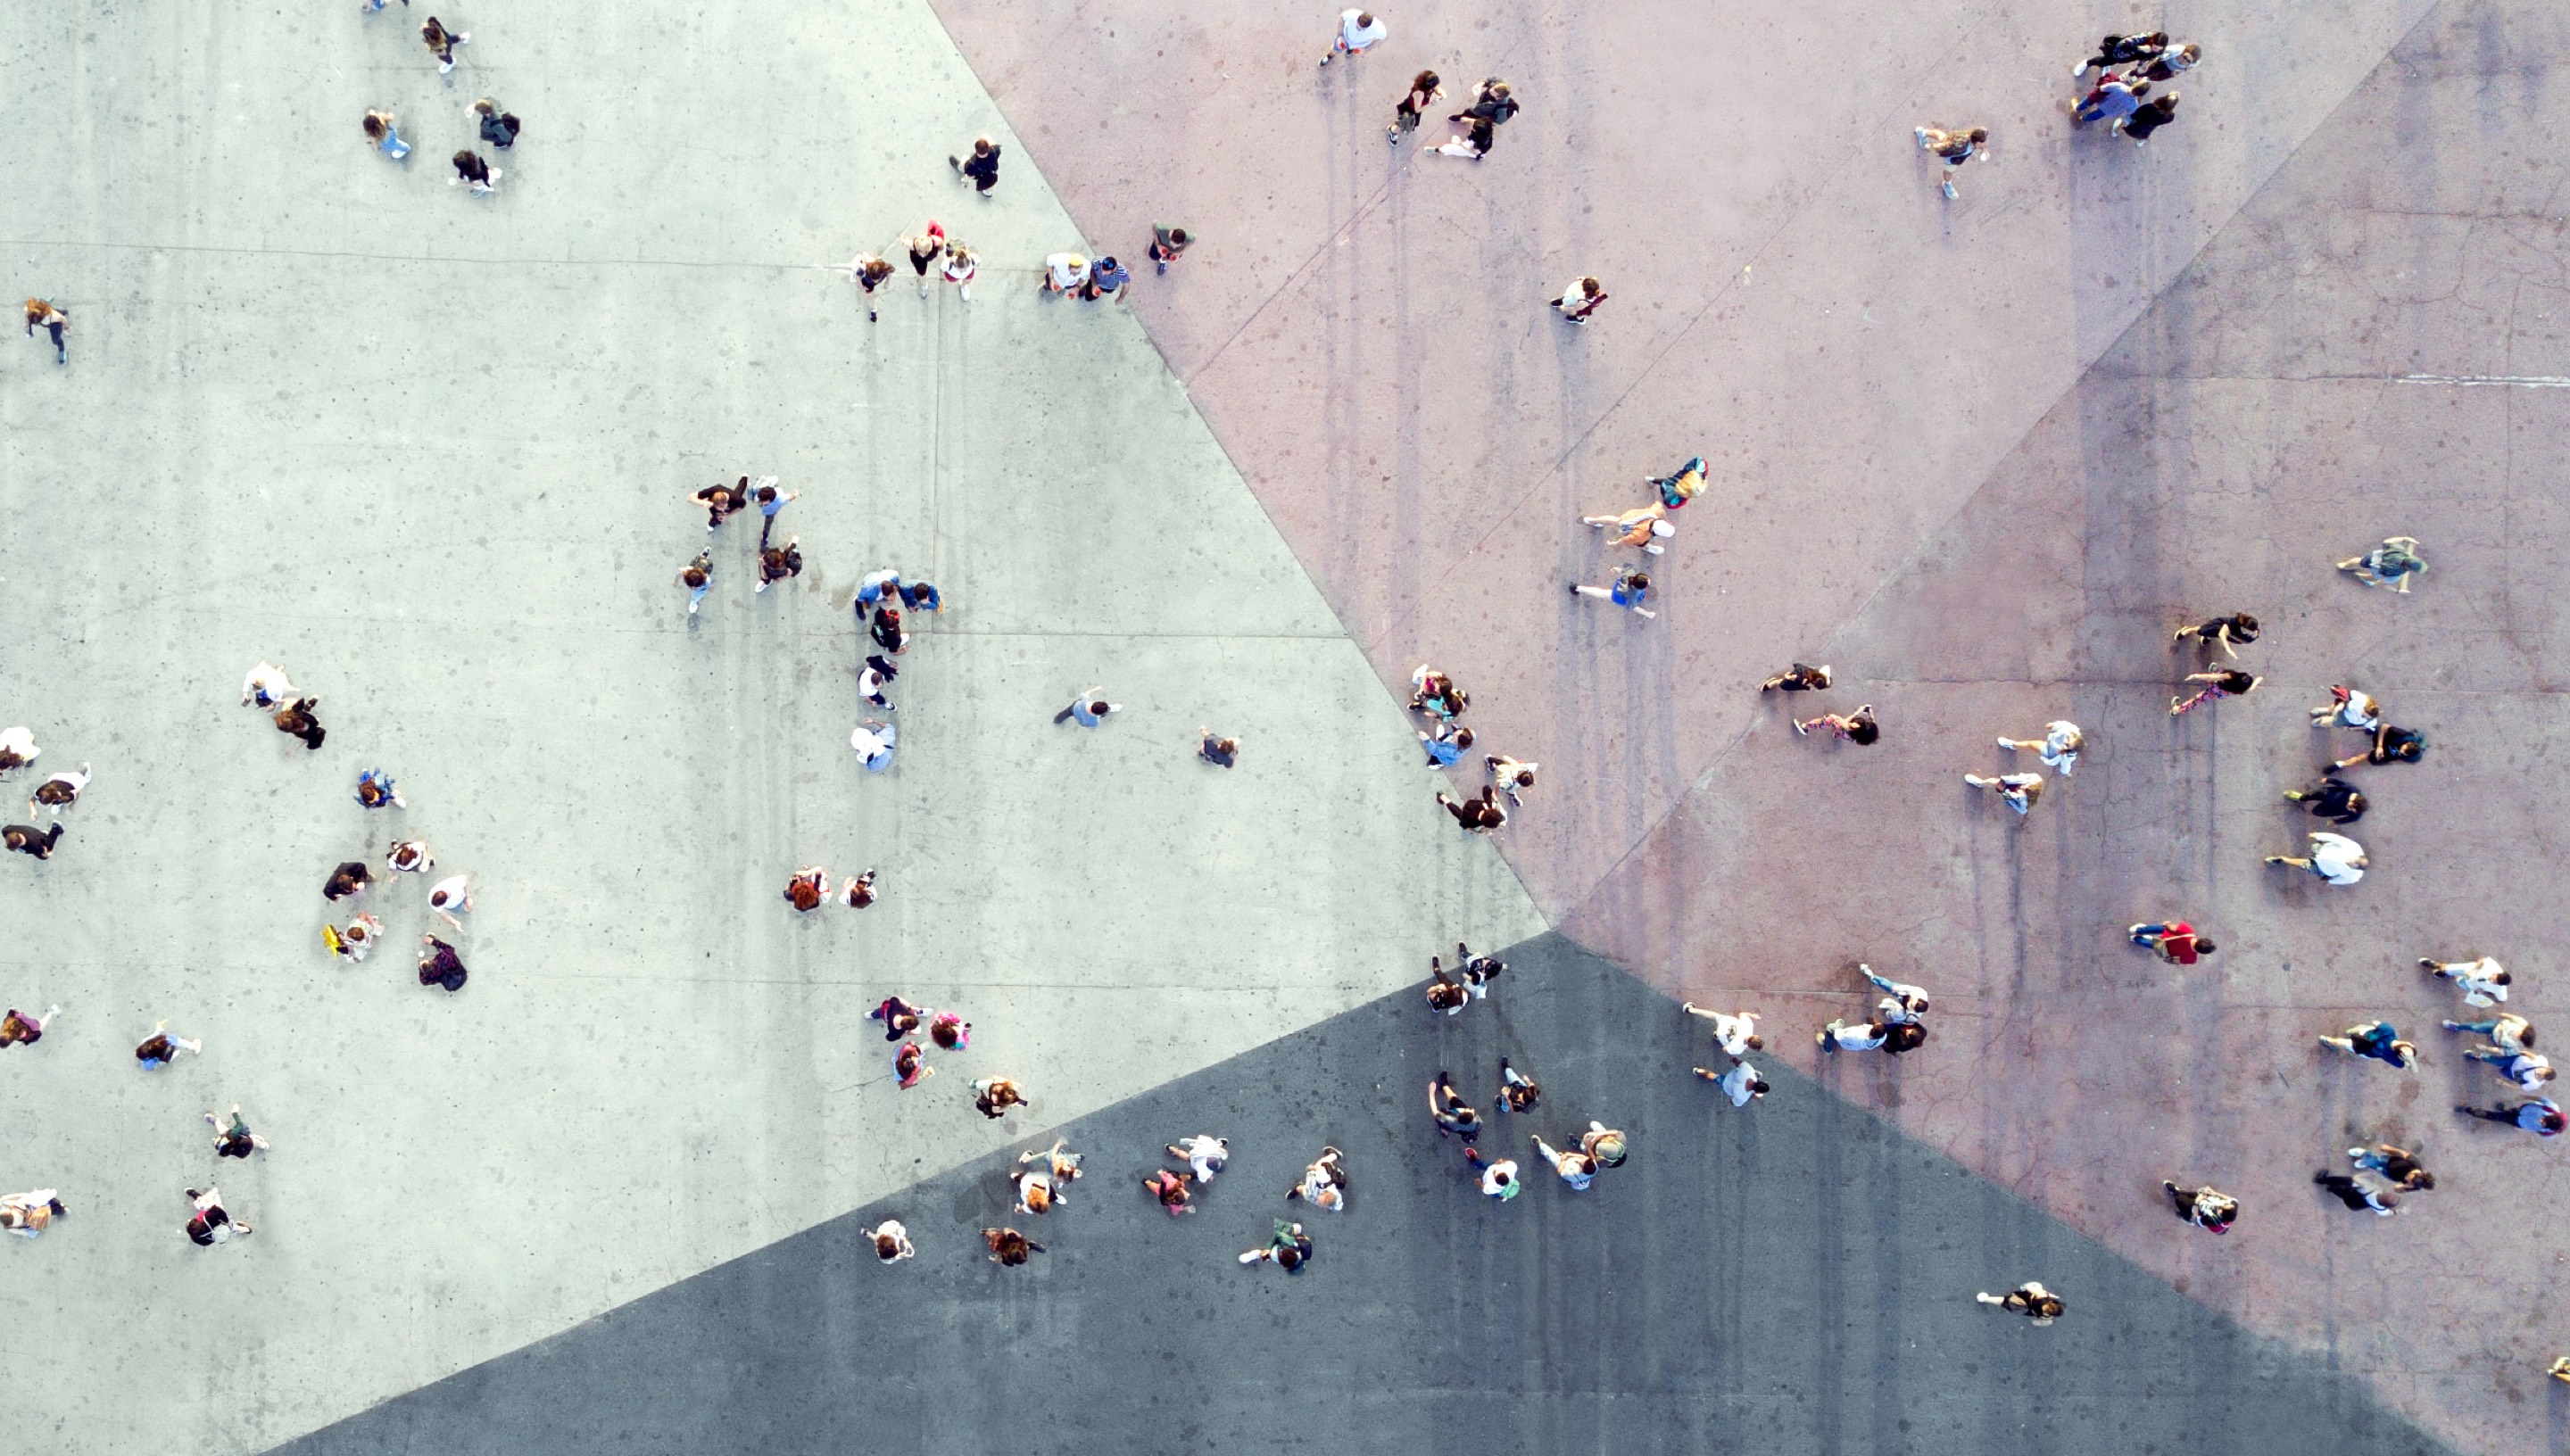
x,y
1088,709
1446,745
1629,590
2377,1039
1107,277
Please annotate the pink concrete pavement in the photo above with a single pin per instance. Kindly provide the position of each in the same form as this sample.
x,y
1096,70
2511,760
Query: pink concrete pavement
x,y
1920,474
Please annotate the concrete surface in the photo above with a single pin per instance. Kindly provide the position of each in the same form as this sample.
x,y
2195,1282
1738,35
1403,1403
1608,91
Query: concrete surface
x,y
1794,1278
428,451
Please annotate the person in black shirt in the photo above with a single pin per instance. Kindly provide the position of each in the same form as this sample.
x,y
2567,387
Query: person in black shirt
x,y
2150,117
984,168
2333,798
1490,103
2390,745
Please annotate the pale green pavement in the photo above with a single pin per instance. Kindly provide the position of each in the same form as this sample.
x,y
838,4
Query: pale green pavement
x,y
428,451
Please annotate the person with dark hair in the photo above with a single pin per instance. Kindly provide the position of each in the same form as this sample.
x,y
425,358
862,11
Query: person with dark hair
x,y
2058,748
876,675
1171,1188
1107,279
265,688
2529,1070
2030,1300
1426,90
1799,678
2149,116
1741,1084
18,1028
2537,1115
899,1017
950,1031
1445,742
2482,979
1451,1114
1838,1036
2021,791
1579,299
452,894
210,1223
921,596
869,272
1205,1154
442,42
1215,749
699,577
1324,1184
160,1049
722,501
470,170
2379,1040
2390,745
439,966
375,790
886,629
18,749
808,889
26,839
859,891
1491,102
2239,628
2400,1165
1444,994
2349,707
770,500
994,1096
1166,243
780,564
1630,588
2333,857
1499,1177
1289,1249
1859,727
2333,798
381,131
1008,1247
2206,1207
2122,49
1901,1002
232,1137
409,857
2229,683
2175,942
1517,1091
1434,693
2112,99
1478,815
1359,32
1735,1033
1511,775
1952,148
910,1065
875,739
983,170
295,720
499,128
1089,709
2359,1198
1577,1168
42,314
891,1241
1473,146
1476,972
347,882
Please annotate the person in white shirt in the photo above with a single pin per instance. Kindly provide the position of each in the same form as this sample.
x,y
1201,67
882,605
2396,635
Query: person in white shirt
x,y
2019,790
2030,1300
265,687
1901,1002
2482,982
2508,1032
1036,1193
2333,857
1741,1084
1204,1153
1325,1183
2528,1070
874,738
1735,1032
447,896
1064,271
1498,1179
409,857
58,793
961,265
891,1241
1577,1169
1359,32
1510,774
2058,747
16,749
2348,708
1864,1036
1581,299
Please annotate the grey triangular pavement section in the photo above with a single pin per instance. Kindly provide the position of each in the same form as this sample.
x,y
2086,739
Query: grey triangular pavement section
x,y
1797,1276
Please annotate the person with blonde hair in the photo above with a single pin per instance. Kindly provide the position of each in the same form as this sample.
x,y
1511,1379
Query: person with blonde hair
x,y
28,1215
380,129
1643,527
2020,791
1952,148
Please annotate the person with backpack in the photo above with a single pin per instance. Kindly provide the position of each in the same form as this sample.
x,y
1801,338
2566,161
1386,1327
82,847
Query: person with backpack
x,y
440,965
210,1223
499,128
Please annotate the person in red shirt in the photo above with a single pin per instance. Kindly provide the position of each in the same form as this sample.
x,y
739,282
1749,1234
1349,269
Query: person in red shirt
x,y
2175,940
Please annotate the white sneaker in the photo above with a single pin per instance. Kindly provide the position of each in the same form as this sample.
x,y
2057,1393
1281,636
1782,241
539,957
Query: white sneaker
x,y
1922,137
1252,1257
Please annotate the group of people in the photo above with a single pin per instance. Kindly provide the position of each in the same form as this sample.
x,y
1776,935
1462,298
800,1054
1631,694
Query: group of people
x,y
2127,69
1434,698
493,124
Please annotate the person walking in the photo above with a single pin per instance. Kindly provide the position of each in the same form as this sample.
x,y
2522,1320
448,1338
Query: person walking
x,y
1511,776
18,1028
1581,299
2122,49
1838,1036
1498,1179
2506,1031
721,502
449,895
2335,857
440,965
780,564
2229,683
2333,798
899,1017
1517,1091
2206,1207
2527,1069
42,314
1204,1154
2149,116
2175,942
1473,146
1167,242
210,1223
1451,1114
1434,693
1424,91
18,749
26,839
28,1215
1288,1248
994,1096
2058,748
1060,1162
1901,1002
1088,709
1478,971
962,264
891,1241
347,882
950,1031
1735,1033
265,688
981,167
2349,707
356,941
2398,1165
2379,1040
295,719
232,1137
1324,1184
2483,980
2227,632
1478,815
874,678
1799,678
869,272
2537,1115
1107,279
1064,273
2030,1300
1493,102
770,500
926,248
809,886
1359,32
470,170
1008,1247
698,578
160,1049
887,630
498,128
1681,486
910,1066
409,857
2390,745
1036,1191
375,791
442,42
2359,1198
1577,1168
1170,1188
859,891
1741,1084
2389,565
1952,148
2021,791
1859,727
1643,527
1215,749
2113,99
874,740
386,136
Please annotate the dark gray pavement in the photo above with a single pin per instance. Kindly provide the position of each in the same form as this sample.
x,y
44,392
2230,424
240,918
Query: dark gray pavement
x,y
1795,1277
